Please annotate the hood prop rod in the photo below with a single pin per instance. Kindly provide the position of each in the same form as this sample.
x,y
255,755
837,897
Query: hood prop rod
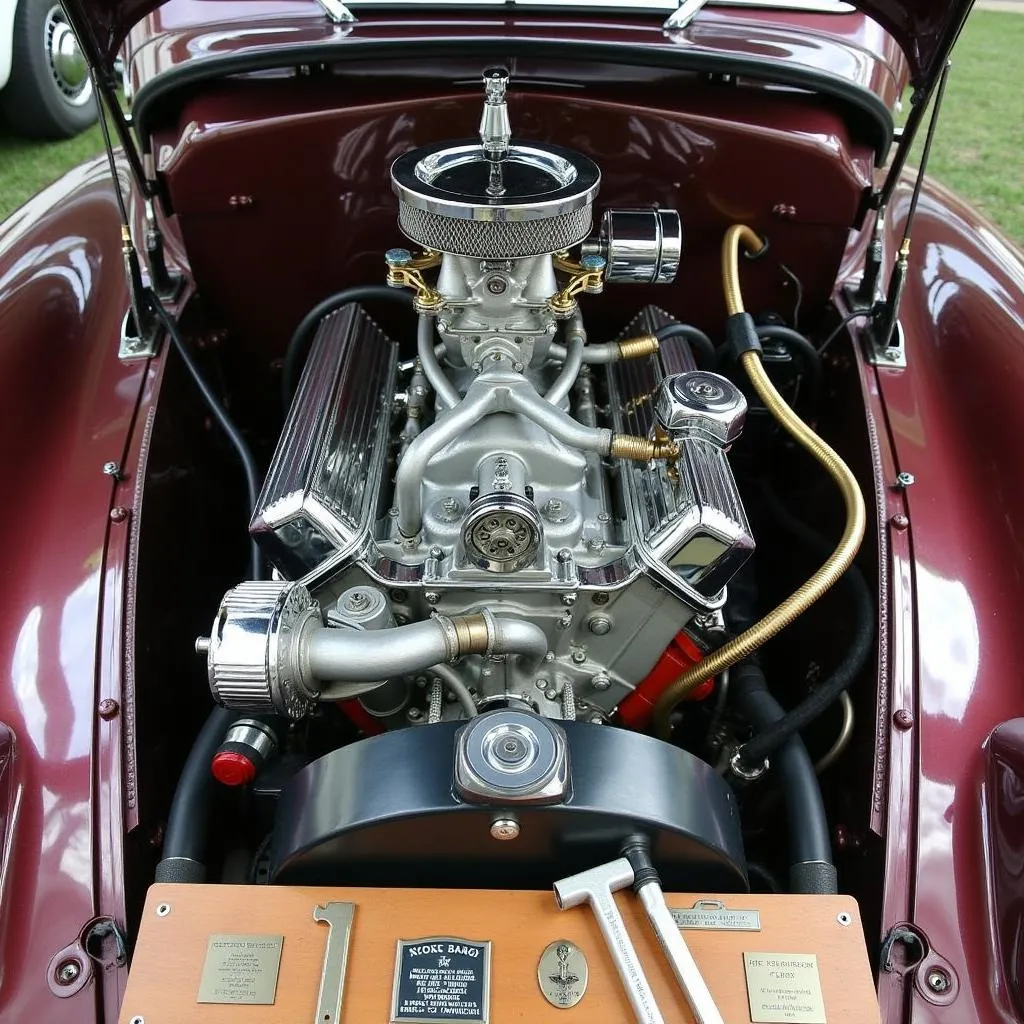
x,y
887,312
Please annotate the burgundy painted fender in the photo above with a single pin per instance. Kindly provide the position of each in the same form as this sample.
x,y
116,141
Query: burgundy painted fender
x,y
954,419
69,406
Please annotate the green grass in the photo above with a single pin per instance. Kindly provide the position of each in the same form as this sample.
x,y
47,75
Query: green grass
x,y
978,152
979,143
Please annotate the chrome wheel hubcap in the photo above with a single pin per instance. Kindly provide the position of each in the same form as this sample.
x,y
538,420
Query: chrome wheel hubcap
x,y
67,62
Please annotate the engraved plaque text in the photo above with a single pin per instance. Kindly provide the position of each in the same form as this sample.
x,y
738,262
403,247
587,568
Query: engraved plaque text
x,y
241,969
784,987
714,915
443,980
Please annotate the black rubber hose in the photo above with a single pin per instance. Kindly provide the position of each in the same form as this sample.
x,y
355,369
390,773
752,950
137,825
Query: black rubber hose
x,y
854,586
185,836
810,847
220,415
295,355
800,347
704,351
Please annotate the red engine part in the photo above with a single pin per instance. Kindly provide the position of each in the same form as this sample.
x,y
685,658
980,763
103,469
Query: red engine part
x,y
233,768
360,717
682,654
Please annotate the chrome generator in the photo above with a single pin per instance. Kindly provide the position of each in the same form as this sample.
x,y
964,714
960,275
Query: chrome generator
x,y
517,518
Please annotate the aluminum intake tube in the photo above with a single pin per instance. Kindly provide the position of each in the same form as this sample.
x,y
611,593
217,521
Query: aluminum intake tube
x,y
575,340
268,650
446,391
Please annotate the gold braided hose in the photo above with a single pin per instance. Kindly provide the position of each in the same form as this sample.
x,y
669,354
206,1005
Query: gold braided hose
x,y
837,563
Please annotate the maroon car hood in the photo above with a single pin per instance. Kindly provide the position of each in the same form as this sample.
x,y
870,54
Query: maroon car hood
x,y
924,29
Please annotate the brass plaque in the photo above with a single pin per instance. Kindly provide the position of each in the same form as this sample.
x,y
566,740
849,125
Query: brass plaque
x,y
562,973
441,980
784,987
241,969
714,915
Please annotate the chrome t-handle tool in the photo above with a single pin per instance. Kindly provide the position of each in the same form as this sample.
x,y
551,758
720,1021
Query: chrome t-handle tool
x,y
596,887
647,886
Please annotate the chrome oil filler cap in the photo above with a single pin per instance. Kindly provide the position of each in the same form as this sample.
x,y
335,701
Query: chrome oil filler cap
x,y
511,756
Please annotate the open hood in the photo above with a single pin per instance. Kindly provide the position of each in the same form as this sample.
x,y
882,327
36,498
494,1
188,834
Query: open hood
x,y
925,29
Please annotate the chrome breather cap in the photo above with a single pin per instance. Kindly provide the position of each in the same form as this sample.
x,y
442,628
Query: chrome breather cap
x,y
493,199
702,405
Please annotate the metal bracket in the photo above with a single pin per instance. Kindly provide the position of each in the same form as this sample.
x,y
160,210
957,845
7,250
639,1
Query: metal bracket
x,y
893,355
133,346
337,12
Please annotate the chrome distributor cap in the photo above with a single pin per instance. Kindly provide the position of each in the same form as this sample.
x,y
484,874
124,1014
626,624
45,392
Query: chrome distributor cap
x,y
494,199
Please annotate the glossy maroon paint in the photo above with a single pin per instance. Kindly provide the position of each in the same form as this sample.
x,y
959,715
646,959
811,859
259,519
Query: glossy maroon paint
x,y
69,407
956,583
925,29
1003,800
843,46
333,212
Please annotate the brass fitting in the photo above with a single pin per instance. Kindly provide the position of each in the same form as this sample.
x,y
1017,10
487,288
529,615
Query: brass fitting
x,y
405,271
642,449
635,348
472,632
585,276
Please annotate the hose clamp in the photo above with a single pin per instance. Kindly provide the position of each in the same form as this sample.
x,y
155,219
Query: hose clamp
x,y
451,638
738,769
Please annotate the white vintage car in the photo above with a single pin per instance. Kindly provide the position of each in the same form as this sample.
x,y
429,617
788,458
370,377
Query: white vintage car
x,y
45,88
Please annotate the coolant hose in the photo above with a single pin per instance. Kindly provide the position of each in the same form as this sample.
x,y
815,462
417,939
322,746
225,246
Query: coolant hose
x,y
699,342
810,848
835,565
863,613
295,354
184,851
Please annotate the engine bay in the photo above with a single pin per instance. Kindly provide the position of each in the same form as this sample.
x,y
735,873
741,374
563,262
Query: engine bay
x,y
495,552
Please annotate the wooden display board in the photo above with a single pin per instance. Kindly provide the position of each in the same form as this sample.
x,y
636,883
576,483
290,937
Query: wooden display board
x,y
166,970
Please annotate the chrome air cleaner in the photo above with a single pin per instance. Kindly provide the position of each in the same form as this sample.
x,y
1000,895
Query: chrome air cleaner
x,y
492,199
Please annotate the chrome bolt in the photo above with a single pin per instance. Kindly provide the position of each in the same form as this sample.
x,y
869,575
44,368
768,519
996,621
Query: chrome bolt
x,y
68,972
549,656
569,599
436,553
579,655
163,909
112,469
413,714
938,980
603,517
600,682
357,602
504,829
542,682
497,285
551,693
398,257
600,597
108,709
904,480
596,718
565,621
475,367
599,625
431,597
844,919
564,556
518,367
393,512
